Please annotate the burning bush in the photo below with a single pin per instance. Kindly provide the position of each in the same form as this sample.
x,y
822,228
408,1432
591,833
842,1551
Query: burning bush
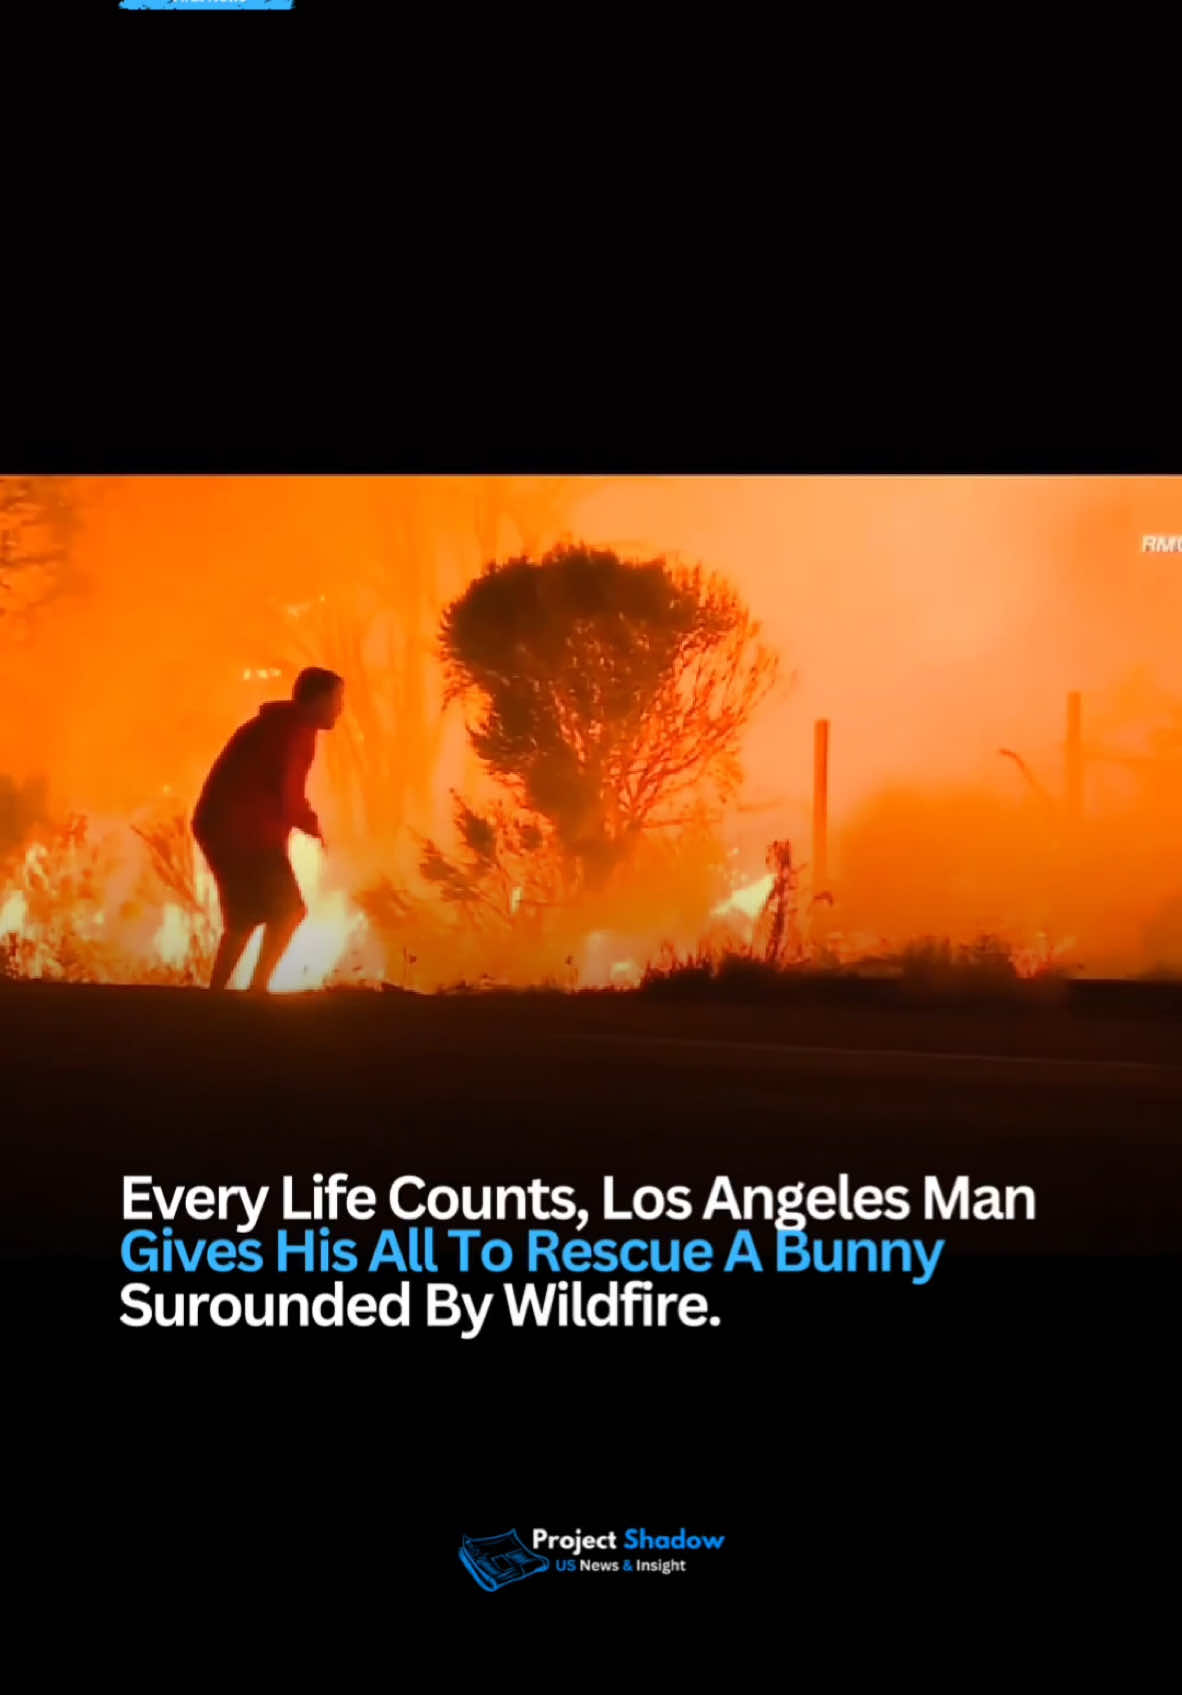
x,y
53,908
92,901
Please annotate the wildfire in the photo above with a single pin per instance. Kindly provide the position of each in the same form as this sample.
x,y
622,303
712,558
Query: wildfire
x,y
13,913
67,912
77,906
1043,955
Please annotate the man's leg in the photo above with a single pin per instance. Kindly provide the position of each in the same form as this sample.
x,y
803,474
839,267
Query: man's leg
x,y
238,924
276,937
230,950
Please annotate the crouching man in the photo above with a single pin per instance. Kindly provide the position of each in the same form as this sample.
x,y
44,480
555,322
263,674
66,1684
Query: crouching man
x,y
252,800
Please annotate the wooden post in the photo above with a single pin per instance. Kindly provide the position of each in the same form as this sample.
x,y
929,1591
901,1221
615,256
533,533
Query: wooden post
x,y
1074,758
820,806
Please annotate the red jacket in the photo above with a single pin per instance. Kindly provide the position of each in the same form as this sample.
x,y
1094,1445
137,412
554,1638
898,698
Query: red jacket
x,y
254,795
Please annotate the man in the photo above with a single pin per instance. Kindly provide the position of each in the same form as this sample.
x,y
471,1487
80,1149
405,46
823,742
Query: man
x,y
252,800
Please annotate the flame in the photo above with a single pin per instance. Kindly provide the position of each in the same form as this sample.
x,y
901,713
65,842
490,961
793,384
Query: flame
x,y
332,928
13,914
749,899
48,928
1042,955
173,941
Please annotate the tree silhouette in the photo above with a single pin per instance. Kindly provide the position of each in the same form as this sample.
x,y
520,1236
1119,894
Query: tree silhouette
x,y
608,694
37,522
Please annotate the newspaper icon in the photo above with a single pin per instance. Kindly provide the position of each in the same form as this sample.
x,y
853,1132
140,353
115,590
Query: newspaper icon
x,y
495,1561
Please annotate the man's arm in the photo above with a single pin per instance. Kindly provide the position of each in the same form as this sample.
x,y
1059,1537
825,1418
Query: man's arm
x,y
298,815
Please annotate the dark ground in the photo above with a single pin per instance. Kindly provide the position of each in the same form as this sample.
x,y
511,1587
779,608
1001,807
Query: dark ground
x,y
901,1448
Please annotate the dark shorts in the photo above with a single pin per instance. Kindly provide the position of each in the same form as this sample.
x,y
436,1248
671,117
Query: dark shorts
x,y
254,888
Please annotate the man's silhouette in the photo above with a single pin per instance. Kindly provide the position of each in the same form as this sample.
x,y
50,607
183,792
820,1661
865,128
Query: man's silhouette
x,y
252,800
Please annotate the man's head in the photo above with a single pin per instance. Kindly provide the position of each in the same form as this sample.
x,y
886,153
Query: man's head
x,y
320,696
